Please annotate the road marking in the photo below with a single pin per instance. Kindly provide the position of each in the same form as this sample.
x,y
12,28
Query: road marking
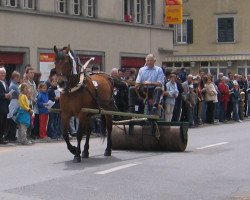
x,y
212,145
5,150
117,168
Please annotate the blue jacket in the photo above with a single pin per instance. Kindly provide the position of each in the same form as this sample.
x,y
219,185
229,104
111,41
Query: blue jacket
x,y
42,98
235,95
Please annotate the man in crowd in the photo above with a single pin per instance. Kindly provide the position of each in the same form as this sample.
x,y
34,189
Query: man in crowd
x,y
120,91
5,97
185,86
29,79
13,106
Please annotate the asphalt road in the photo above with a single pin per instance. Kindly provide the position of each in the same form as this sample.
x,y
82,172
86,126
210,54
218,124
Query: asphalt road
x,y
215,165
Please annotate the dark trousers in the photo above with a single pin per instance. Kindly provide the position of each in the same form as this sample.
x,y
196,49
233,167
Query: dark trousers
x,y
35,129
223,109
96,125
3,125
246,105
184,112
190,113
12,127
210,111
177,110
54,128
236,116
229,110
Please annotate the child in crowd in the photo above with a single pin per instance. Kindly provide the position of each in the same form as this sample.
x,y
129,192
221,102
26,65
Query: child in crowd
x,y
191,102
24,114
235,95
42,103
54,128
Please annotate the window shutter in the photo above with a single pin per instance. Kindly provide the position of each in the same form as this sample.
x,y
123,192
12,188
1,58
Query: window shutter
x,y
190,31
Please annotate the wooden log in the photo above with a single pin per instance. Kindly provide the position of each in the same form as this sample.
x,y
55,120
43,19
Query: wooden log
x,y
171,138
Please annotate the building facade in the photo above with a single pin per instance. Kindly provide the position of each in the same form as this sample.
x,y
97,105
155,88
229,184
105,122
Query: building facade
x,y
118,33
214,37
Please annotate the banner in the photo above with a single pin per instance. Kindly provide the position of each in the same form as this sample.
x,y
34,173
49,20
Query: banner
x,y
46,64
173,14
173,2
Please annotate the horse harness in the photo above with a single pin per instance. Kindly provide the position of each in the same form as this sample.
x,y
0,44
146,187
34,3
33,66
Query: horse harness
x,y
82,82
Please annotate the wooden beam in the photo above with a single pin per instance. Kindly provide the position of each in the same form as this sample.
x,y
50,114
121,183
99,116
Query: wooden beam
x,y
126,122
125,114
109,112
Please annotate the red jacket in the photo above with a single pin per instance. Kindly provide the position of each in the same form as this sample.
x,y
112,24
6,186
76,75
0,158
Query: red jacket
x,y
223,95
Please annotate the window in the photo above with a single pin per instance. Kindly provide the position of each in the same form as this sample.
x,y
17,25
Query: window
x,y
60,6
184,32
138,11
11,3
181,32
128,10
225,27
75,7
90,8
149,12
223,70
178,64
29,4
243,70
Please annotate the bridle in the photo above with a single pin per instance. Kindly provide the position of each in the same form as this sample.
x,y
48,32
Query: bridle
x,y
72,79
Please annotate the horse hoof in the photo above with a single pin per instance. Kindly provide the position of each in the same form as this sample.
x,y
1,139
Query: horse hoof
x,y
107,153
77,159
85,155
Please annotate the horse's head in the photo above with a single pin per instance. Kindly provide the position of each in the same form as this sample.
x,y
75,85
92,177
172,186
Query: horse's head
x,y
63,66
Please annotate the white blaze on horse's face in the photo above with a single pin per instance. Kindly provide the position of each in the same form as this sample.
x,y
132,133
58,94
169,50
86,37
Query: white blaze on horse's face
x,y
63,69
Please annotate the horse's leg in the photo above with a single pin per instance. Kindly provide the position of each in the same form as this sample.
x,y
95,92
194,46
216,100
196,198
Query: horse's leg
x,y
87,129
79,136
109,130
65,124
103,125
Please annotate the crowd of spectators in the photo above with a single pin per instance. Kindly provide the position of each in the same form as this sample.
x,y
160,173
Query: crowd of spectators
x,y
194,98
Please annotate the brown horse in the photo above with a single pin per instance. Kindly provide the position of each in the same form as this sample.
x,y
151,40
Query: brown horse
x,y
96,92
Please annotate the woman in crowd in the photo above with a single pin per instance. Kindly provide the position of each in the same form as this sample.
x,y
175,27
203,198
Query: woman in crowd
x,y
210,98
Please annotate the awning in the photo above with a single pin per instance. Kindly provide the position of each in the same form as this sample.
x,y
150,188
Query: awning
x,y
11,58
128,62
206,58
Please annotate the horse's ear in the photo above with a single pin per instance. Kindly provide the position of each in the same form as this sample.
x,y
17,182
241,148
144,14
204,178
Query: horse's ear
x,y
69,47
55,49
